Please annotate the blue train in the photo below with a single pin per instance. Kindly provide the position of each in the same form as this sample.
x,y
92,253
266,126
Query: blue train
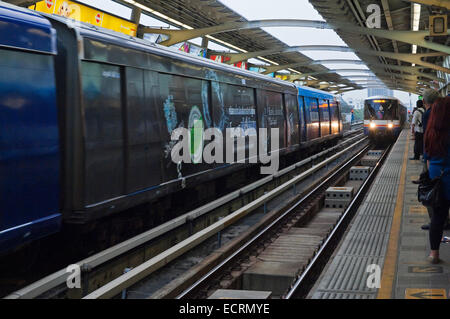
x,y
86,116
384,117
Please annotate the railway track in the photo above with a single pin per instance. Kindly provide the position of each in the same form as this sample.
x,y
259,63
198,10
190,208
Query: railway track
x,y
315,237
106,268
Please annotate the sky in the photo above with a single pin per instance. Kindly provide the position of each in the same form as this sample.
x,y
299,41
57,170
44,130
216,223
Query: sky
x,y
270,9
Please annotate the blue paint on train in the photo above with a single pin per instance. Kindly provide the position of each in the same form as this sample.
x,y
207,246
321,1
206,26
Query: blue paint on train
x,y
317,111
35,31
29,138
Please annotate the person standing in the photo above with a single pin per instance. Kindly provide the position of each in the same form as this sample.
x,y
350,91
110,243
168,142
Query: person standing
x,y
429,97
437,148
417,130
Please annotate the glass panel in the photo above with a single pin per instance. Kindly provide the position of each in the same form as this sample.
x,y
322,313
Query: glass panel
x,y
104,131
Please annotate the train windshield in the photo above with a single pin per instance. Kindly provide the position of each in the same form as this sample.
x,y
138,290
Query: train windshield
x,y
380,109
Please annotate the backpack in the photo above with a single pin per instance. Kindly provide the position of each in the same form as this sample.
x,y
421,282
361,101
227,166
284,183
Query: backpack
x,y
421,111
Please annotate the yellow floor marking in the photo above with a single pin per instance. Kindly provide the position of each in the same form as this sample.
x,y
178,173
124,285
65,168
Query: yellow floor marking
x,y
425,269
420,263
422,293
416,209
413,177
390,263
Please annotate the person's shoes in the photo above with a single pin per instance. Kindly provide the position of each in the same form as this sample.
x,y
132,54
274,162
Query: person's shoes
x,y
433,260
425,227
414,158
416,182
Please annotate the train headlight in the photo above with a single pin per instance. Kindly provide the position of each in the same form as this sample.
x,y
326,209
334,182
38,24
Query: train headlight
x,y
372,125
390,125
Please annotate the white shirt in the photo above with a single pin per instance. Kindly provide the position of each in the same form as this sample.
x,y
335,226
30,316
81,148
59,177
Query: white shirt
x,y
417,121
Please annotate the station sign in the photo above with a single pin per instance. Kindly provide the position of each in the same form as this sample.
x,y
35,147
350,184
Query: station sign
x,y
79,12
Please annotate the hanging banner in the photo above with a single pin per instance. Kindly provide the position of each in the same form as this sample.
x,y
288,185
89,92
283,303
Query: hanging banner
x,y
185,47
241,65
79,12
217,58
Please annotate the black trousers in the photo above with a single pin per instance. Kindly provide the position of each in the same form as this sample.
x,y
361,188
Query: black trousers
x,y
418,144
438,219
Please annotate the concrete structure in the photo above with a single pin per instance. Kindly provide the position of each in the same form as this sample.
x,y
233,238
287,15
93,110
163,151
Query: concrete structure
x,y
384,252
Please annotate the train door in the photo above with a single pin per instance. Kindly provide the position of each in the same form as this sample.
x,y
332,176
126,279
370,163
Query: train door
x,y
312,118
334,111
142,151
104,138
292,120
324,117
301,118
271,116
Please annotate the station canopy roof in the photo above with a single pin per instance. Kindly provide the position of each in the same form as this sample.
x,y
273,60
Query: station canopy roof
x,y
396,15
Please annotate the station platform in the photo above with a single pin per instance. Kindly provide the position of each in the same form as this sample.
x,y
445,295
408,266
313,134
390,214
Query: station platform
x,y
383,253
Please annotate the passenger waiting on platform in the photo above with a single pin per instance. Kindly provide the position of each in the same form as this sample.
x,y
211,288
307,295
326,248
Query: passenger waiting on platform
x,y
437,148
417,130
429,97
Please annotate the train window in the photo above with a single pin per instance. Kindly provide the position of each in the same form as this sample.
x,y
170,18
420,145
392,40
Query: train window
x,y
143,147
313,107
380,109
334,110
324,112
29,149
239,107
273,114
182,96
104,131
292,120
185,103
302,117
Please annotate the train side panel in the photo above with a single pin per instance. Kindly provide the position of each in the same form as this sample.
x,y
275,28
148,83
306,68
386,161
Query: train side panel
x,y
29,138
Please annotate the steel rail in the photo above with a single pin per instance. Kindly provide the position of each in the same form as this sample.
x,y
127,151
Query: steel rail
x,y
267,228
53,280
340,226
132,277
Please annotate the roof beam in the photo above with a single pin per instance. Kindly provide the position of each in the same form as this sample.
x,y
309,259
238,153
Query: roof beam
x,y
437,3
387,15
274,68
411,37
405,57
411,58
407,69
238,57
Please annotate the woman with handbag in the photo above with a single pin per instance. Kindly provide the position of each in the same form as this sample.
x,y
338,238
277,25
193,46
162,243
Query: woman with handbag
x,y
437,146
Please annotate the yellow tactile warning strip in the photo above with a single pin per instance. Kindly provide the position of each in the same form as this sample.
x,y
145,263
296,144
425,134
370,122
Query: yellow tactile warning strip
x,y
423,293
417,209
390,260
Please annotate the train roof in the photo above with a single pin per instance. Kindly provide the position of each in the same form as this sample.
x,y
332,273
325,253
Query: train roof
x,y
36,32
380,97
308,91
89,31
385,97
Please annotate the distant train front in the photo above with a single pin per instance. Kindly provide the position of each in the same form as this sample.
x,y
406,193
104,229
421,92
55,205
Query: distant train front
x,y
383,117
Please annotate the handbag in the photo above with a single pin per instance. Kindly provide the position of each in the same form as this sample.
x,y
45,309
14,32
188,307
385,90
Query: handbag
x,y
431,191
